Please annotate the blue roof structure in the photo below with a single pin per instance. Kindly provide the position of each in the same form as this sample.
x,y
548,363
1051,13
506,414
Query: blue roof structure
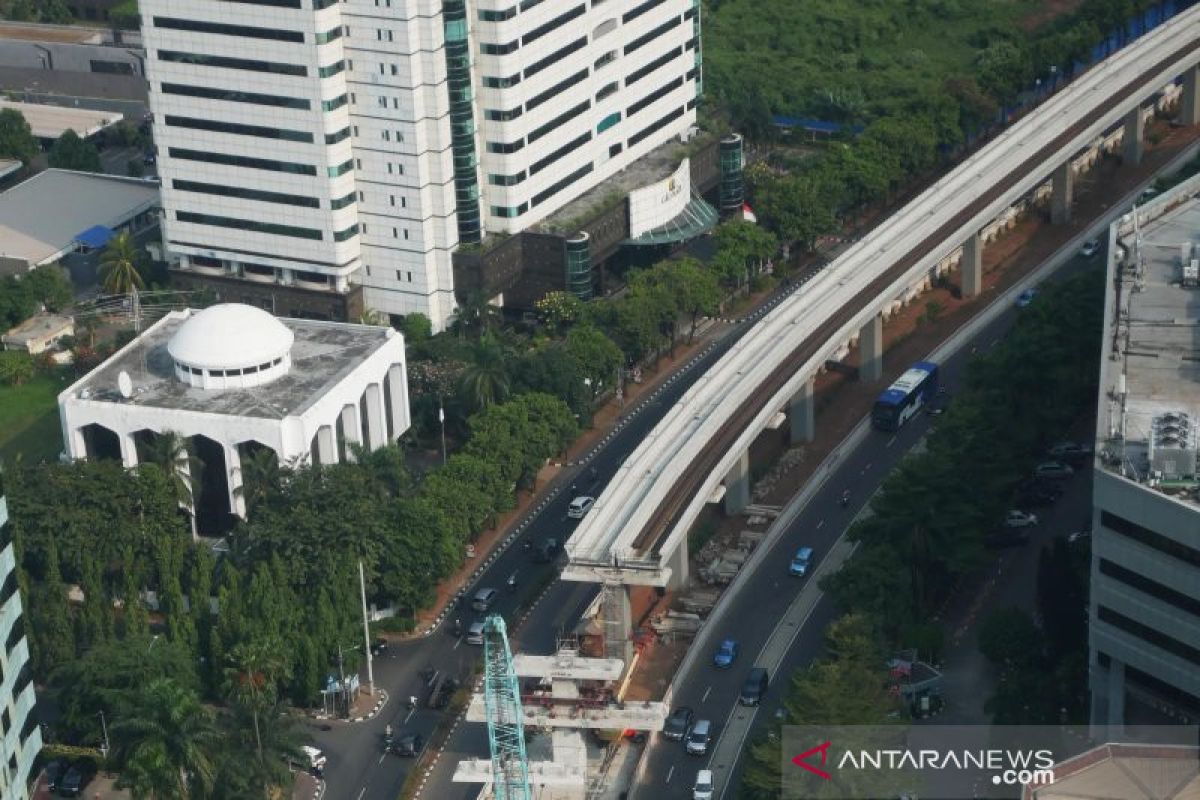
x,y
815,125
95,237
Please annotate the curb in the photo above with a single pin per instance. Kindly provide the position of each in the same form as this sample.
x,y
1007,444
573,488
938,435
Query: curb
x,y
319,792
379,704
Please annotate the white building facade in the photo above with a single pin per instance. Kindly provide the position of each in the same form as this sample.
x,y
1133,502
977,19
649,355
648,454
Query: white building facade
x,y
316,146
20,735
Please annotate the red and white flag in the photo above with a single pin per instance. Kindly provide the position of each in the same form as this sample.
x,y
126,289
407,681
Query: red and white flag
x,y
748,213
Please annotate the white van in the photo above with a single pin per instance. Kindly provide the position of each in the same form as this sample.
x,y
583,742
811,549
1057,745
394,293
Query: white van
x,y
704,785
316,759
580,506
483,599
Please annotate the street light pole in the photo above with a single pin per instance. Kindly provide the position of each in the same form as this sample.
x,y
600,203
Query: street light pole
x,y
362,586
104,727
442,420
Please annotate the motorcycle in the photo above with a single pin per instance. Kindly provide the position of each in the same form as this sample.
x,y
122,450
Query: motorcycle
x,y
457,627
845,501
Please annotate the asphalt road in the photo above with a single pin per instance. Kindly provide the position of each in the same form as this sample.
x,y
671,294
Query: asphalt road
x,y
753,614
357,768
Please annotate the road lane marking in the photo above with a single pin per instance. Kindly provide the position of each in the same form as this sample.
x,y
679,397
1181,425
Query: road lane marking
x,y
382,757
361,792
457,642
891,442
819,524
706,693
670,772
408,716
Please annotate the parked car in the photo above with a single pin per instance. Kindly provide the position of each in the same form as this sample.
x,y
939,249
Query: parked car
x,y
754,688
726,654
475,634
408,745
72,783
1090,248
580,506
1055,470
703,790
1019,519
699,738
801,562
1069,452
1147,193
54,773
678,724
1026,297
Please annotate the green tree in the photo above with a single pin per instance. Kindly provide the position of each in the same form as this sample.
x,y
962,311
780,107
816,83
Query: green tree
x,y
16,367
276,734
695,289
559,310
597,357
167,746
119,265
416,328
1008,637
477,315
485,381
171,453
71,152
253,676
50,634
50,286
261,477
16,137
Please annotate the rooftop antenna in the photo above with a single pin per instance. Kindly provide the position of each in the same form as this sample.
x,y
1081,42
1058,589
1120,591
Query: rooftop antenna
x,y
125,385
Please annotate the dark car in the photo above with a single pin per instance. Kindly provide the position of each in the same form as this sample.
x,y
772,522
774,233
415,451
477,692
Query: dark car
x,y
72,783
678,724
755,687
1071,453
54,773
442,696
408,745
546,550
379,646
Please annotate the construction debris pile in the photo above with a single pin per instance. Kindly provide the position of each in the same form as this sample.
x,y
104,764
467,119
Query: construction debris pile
x,y
791,459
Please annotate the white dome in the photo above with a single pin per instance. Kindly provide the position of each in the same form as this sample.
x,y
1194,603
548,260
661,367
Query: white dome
x,y
230,336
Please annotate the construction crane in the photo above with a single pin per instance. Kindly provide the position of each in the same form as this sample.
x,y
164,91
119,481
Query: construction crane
x,y
502,703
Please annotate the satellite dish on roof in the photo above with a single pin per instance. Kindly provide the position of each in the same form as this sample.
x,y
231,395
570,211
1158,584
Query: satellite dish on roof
x,y
125,384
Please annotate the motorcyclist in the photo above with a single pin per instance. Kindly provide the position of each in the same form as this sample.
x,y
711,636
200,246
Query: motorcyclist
x,y
845,498
457,626
412,701
387,731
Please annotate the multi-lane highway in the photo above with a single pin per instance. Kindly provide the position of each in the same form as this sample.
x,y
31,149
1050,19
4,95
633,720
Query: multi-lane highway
x,y
648,508
357,768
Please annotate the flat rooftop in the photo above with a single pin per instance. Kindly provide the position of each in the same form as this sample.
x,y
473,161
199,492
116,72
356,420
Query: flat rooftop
x,y
1157,338
656,165
33,32
323,354
40,217
50,122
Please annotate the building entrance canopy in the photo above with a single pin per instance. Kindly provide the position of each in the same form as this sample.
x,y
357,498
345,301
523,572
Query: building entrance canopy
x,y
696,218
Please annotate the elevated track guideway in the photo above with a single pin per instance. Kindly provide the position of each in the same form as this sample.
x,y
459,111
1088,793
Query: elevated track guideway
x,y
641,519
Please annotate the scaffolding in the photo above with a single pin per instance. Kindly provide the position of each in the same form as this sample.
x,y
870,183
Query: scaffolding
x,y
502,701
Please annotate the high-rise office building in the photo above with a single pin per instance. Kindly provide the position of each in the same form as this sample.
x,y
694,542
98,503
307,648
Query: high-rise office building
x,y
321,158
20,734
1145,584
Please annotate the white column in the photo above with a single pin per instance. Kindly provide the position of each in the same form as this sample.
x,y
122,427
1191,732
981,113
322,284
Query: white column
x,y
870,350
129,457
327,451
737,486
678,562
377,435
397,383
74,441
972,266
351,428
1133,140
233,472
1062,190
802,413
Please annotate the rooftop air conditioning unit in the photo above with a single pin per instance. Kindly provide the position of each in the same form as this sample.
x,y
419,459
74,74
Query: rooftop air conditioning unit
x,y
1173,446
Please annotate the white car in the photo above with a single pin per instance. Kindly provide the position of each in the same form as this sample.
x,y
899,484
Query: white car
x,y
1019,519
704,785
580,506
1090,248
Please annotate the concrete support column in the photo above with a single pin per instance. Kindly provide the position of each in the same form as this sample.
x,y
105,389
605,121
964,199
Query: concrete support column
x,y
397,383
327,451
351,428
616,618
737,486
74,441
1133,142
802,413
377,435
1189,103
129,457
678,562
1062,189
972,266
233,472
870,350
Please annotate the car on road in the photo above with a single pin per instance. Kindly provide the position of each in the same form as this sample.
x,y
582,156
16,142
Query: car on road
x,y
726,654
1026,297
580,506
1019,519
754,688
678,724
72,783
1147,193
703,790
54,773
801,562
545,551
483,599
1055,470
1069,452
408,745
1090,248
475,634
698,738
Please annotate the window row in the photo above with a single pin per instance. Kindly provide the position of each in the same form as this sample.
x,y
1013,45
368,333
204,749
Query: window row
x,y
247,194
651,35
249,225
224,62
235,96
242,161
238,129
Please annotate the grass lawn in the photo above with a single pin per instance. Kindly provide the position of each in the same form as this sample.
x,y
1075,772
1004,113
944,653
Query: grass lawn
x,y
29,419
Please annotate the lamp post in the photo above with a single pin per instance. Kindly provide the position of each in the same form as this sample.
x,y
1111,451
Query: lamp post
x,y
362,585
442,420
104,727
153,641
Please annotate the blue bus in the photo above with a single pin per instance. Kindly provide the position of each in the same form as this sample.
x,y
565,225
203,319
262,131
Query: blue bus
x,y
904,398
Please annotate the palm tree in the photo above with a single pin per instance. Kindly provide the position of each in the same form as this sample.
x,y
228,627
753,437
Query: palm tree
x,y
253,679
167,745
119,265
281,741
170,452
477,313
373,316
261,477
485,380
